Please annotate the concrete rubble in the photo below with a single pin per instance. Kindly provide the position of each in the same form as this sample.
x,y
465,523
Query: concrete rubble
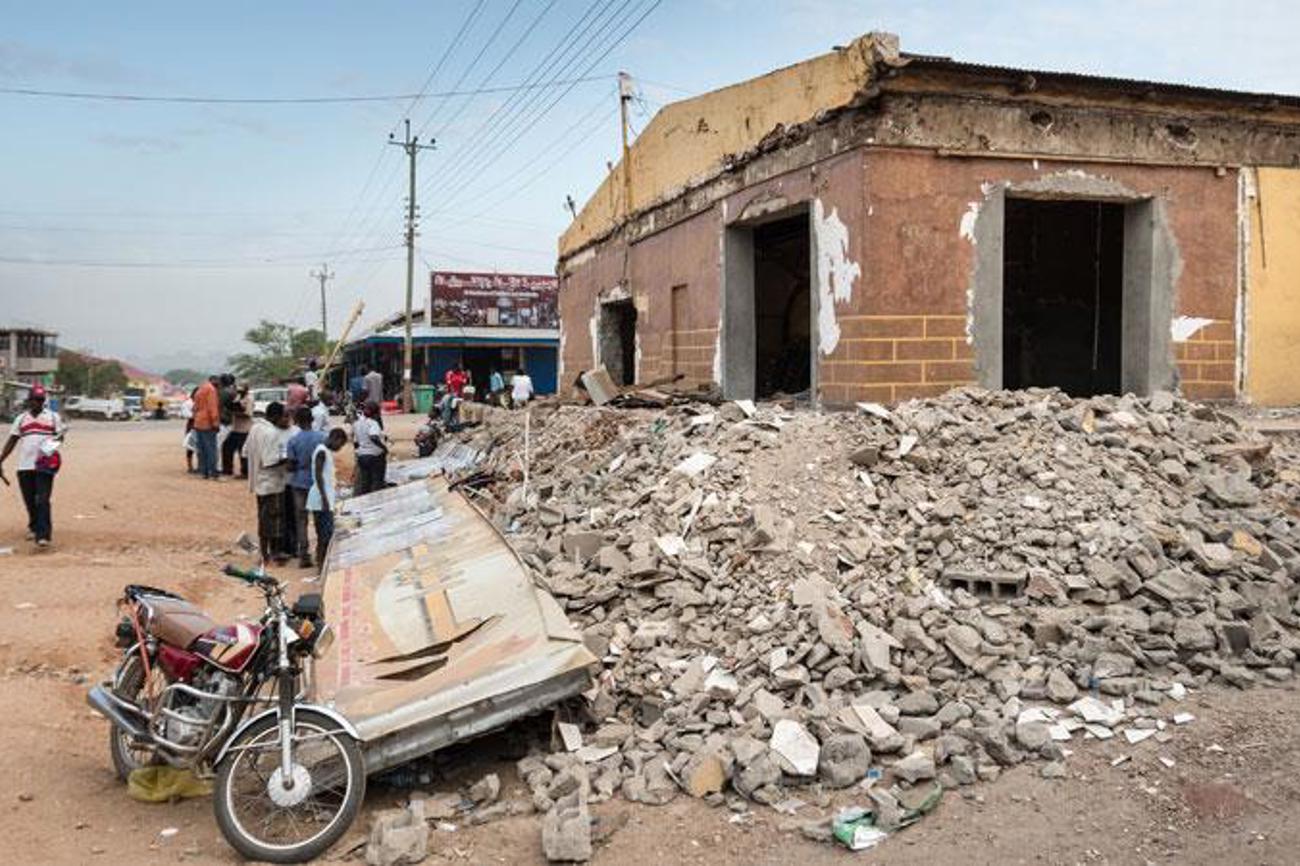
x,y
785,598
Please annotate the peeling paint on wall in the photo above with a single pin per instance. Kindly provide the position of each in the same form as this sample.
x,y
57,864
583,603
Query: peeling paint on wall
x,y
967,226
836,273
1183,328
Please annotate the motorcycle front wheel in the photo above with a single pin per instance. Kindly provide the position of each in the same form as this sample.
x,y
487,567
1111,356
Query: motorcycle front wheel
x,y
264,820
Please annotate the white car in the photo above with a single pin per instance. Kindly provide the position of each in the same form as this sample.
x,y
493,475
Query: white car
x,y
263,397
94,407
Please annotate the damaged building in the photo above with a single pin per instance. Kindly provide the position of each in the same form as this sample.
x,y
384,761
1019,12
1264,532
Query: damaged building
x,y
877,225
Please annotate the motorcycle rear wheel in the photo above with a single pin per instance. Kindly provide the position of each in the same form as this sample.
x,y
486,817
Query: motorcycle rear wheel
x,y
126,753
327,760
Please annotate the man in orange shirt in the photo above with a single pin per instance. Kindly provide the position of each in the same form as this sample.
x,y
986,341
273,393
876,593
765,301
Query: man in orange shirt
x,y
207,421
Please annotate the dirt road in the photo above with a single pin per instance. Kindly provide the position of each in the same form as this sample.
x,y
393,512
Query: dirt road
x,y
125,511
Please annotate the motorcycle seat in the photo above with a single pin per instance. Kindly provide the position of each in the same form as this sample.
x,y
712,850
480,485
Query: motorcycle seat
x,y
175,621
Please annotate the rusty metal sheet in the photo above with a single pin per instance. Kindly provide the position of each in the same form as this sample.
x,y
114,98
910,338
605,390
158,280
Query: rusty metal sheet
x,y
440,632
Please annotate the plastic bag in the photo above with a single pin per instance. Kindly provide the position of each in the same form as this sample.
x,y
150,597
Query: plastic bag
x,y
163,783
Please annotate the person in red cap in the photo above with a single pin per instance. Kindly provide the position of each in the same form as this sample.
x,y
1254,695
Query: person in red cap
x,y
36,434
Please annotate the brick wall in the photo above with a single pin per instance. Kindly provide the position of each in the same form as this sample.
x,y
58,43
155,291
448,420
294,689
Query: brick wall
x,y
1207,362
893,358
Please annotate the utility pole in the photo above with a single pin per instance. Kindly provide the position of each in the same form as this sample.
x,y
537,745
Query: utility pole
x,y
624,97
412,147
323,274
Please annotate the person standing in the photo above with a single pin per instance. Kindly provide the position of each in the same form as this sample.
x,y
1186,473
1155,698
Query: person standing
x,y
371,449
232,408
320,499
241,421
374,386
311,379
301,450
296,396
207,421
455,379
267,478
320,413
496,384
357,386
36,434
521,388
190,440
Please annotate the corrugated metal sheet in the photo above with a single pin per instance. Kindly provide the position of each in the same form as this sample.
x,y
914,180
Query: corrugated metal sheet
x,y
1129,85
440,632
449,457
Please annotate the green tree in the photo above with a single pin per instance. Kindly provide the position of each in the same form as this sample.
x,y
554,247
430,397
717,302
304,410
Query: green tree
x,y
278,351
310,344
185,376
92,377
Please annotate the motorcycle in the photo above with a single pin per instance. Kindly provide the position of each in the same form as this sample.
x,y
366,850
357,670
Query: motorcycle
x,y
229,701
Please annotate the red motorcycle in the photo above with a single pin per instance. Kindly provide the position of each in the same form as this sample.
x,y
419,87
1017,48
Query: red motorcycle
x,y
229,700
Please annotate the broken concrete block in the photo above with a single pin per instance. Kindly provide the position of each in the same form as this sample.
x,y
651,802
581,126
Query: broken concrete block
x,y
397,837
705,773
915,767
485,790
566,831
844,760
796,750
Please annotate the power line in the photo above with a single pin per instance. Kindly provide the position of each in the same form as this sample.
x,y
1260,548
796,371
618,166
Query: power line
x,y
469,177
187,263
505,113
282,100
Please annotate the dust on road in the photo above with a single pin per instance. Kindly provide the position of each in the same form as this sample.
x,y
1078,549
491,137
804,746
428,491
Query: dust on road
x,y
126,511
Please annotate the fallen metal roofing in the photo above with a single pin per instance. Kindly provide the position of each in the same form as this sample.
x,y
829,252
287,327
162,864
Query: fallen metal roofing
x,y
449,457
441,633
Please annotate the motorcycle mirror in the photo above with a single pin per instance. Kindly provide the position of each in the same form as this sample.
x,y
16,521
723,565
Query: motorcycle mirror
x,y
246,543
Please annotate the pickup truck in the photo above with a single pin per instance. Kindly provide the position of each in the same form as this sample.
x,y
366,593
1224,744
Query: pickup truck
x,y
105,409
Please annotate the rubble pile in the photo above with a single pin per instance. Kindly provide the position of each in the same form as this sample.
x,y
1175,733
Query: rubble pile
x,y
936,591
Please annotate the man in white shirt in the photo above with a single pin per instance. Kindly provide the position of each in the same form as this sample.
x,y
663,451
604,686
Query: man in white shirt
x,y
371,449
311,379
36,434
266,448
521,388
320,415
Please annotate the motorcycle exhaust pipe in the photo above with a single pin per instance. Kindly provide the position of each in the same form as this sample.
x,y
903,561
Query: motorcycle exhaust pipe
x,y
102,702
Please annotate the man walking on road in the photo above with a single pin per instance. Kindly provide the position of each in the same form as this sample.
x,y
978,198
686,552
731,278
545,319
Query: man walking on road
x,y
35,433
301,450
207,421
371,449
267,464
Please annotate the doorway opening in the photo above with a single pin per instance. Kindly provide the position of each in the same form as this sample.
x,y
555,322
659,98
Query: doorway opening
x,y
618,340
1063,296
782,307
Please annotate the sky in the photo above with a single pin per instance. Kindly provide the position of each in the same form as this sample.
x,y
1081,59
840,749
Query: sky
x,y
160,231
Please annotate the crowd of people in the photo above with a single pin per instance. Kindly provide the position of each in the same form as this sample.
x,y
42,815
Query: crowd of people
x,y
285,452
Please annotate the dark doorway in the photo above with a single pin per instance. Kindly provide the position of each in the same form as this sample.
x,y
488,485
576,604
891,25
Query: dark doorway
x,y
782,307
618,341
1062,295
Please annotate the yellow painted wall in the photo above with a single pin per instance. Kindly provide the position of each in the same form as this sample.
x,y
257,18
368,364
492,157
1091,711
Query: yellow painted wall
x,y
687,140
1273,289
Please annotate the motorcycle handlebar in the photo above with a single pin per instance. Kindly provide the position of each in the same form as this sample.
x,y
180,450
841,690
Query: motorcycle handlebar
x,y
252,577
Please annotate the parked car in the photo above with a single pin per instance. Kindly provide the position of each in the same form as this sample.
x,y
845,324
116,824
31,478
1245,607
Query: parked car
x,y
105,409
263,397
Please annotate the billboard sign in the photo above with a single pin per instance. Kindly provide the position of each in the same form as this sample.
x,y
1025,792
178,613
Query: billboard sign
x,y
488,300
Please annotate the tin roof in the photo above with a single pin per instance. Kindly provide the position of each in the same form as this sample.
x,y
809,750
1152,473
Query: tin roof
x,y
1134,86
441,633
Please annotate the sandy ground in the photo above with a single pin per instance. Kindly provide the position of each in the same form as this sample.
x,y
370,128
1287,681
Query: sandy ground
x,y
125,511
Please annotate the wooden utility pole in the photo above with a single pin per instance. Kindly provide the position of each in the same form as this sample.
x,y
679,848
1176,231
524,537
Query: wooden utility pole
x,y
343,338
412,147
323,274
624,97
